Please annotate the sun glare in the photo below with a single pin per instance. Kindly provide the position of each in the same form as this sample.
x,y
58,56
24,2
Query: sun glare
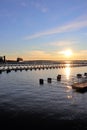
x,y
68,53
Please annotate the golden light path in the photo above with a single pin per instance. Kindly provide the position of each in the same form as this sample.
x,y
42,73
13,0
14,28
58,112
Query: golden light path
x,y
67,74
67,71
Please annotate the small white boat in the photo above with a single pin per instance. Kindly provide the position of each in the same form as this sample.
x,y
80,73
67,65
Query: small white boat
x,y
80,86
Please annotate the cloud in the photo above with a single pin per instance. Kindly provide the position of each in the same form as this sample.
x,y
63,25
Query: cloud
x,y
66,28
80,55
43,55
83,52
38,54
40,6
63,43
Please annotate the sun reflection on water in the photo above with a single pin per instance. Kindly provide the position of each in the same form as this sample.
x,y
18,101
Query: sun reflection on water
x,y
67,71
69,94
68,87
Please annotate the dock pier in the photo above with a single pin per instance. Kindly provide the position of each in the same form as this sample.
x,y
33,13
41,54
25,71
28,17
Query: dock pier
x,y
15,67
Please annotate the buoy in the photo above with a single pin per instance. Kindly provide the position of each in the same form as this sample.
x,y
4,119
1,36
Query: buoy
x,y
41,81
49,80
58,77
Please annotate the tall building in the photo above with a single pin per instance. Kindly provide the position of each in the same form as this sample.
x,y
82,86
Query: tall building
x,y
4,58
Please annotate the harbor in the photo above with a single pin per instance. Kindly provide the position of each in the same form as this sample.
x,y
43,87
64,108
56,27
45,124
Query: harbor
x,y
25,101
79,85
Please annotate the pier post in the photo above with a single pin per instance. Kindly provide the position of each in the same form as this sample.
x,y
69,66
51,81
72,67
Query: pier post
x,y
85,74
8,70
58,77
41,81
79,75
49,80
0,71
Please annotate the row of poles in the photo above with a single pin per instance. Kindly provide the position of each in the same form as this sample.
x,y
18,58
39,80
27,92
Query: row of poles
x,y
49,80
9,68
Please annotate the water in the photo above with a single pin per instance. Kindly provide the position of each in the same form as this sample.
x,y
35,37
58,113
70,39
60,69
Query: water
x,y
23,99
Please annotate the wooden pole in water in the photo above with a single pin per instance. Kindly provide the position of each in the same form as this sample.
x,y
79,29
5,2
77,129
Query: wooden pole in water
x,y
49,80
41,81
85,74
58,77
0,71
79,76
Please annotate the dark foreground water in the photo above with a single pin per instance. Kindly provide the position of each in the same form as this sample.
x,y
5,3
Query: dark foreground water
x,y
23,102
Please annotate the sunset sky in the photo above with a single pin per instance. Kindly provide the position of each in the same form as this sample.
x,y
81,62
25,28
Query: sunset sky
x,y
43,29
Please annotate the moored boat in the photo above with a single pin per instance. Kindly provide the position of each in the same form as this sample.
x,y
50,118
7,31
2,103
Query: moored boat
x,y
80,86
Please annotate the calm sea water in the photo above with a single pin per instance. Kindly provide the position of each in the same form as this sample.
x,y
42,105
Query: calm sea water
x,y
22,97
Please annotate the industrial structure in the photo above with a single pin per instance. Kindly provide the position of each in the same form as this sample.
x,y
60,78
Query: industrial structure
x,y
2,59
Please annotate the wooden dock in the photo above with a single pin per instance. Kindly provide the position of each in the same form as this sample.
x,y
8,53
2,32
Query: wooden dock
x,y
15,67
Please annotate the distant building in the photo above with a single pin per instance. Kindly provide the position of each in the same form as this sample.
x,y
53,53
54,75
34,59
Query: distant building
x,y
2,59
19,59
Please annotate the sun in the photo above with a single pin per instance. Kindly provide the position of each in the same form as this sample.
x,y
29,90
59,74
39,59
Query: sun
x,y
68,53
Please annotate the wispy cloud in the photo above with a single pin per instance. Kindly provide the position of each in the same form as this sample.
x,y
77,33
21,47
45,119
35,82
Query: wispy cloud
x,y
37,5
37,54
73,26
40,6
43,55
63,43
81,54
